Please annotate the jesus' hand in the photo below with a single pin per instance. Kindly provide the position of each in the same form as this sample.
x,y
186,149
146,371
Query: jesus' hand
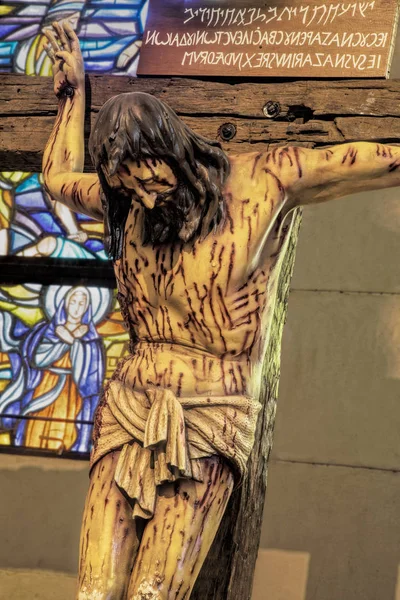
x,y
65,54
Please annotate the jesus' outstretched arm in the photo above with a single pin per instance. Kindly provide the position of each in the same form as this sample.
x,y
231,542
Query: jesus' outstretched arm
x,y
314,176
63,158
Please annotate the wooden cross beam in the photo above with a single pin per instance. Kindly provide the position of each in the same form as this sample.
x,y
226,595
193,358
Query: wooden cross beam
x,y
253,115
331,112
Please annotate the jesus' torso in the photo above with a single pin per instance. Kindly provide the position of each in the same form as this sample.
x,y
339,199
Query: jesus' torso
x,y
199,313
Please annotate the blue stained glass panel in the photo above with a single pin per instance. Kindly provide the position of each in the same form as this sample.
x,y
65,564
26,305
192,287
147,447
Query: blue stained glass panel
x,y
34,11
19,241
7,48
31,183
114,3
125,14
6,29
94,245
47,222
99,66
35,199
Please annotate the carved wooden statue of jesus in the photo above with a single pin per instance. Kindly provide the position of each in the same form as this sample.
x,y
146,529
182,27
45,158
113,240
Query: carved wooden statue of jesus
x,y
196,237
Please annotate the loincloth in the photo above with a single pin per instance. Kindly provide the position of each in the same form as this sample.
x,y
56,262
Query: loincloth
x,y
163,438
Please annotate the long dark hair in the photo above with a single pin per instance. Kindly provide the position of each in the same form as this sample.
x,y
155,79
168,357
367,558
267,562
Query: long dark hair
x,y
139,126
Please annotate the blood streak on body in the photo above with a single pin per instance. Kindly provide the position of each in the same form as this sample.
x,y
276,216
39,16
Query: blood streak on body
x,y
197,305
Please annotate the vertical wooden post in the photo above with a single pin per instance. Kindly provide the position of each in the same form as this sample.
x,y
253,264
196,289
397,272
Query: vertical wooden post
x,y
229,568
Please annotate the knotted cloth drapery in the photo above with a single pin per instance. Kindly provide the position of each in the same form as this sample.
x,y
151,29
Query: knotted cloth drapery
x,y
163,437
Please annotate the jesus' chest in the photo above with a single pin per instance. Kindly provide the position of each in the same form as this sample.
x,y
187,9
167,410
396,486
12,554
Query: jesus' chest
x,y
203,293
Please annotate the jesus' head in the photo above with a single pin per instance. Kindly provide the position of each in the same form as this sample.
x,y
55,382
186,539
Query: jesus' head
x,y
144,153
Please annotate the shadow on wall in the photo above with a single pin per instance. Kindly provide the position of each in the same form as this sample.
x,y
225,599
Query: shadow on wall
x,y
18,584
334,486
41,512
281,575
334,530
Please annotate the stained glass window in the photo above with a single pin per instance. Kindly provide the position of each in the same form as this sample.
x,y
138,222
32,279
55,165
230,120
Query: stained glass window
x,y
50,373
58,344
33,225
110,33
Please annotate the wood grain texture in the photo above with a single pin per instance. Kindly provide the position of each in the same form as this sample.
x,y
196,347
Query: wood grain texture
x,y
307,39
21,94
332,111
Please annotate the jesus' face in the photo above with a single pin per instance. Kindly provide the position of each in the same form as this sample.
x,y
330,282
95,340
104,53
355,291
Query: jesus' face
x,y
148,181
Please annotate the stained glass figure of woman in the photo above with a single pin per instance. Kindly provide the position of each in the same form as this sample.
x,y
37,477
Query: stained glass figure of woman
x,y
63,373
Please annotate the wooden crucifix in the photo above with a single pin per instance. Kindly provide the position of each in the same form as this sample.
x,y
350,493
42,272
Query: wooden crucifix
x,y
294,107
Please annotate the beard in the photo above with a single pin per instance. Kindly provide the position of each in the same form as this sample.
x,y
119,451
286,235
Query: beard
x,y
173,218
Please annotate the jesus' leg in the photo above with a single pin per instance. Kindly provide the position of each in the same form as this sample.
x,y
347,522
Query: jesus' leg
x,y
176,541
108,538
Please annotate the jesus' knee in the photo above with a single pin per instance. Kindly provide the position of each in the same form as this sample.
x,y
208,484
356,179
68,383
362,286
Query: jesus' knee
x,y
148,589
112,589
176,541
109,539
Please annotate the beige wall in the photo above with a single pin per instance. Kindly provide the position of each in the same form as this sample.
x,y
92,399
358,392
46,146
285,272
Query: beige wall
x,y
331,527
40,512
